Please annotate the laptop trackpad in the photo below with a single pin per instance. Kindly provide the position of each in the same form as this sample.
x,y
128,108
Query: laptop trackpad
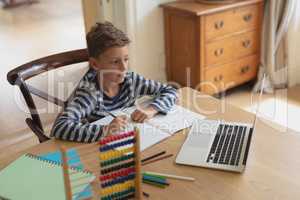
x,y
202,133
196,147
199,140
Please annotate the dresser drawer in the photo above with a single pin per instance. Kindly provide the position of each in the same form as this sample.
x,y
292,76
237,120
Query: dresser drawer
x,y
235,20
222,51
220,78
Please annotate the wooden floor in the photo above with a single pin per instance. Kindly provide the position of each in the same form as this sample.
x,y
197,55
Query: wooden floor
x,y
29,32
282,107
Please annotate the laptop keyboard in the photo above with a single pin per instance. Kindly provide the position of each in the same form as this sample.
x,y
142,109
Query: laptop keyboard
x,y
227,145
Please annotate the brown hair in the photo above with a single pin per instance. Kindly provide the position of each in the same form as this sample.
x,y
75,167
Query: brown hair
x,y
103,36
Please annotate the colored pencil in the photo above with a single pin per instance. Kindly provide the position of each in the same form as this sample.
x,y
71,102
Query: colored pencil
x,y
153,156
157,159
156,181
154,184
162,177
160,183
171,176
153,178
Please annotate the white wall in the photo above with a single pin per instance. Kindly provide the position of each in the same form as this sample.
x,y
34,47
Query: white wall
x,y
294,48
148,39
142,20
97,11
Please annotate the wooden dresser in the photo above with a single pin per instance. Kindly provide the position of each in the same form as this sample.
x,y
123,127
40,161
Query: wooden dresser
x,y
212,47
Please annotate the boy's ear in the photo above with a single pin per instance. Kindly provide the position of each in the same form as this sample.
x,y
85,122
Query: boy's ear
x,y
93,63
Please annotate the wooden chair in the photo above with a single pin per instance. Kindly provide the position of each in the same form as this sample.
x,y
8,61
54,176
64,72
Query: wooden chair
x,y
19,75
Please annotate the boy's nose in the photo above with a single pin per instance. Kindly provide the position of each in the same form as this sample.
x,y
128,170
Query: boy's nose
x,y
123,66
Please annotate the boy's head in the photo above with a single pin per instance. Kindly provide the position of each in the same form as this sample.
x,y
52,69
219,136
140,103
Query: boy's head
x,y
108,51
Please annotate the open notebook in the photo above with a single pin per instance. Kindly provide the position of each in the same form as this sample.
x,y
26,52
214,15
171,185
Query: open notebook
x,y
158,128
32,177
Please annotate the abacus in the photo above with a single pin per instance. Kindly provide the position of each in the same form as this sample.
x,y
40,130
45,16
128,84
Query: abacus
x,y
119,168
120,174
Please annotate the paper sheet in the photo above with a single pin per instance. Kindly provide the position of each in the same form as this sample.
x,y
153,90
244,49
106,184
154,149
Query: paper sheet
x,y
158,128
149,135
177,119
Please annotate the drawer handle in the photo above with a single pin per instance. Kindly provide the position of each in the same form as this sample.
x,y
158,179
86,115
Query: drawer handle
x,y
219,52
218,78
247,43
219,24
248,17
221,77
245,69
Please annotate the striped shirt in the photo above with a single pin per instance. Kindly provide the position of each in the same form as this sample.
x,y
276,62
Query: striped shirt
x,y
89,103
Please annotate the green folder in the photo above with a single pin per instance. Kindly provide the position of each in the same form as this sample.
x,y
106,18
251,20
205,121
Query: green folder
x,y
34,178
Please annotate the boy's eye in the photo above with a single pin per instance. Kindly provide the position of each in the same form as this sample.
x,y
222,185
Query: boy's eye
x,y
119,61
114,61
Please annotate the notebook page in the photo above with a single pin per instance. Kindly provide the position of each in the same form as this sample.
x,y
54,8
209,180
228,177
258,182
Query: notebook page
x,y
177,119
106,120
149,135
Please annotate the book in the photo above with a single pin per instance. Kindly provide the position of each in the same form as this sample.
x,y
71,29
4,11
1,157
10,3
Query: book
x,y
73,161
159,127
33,177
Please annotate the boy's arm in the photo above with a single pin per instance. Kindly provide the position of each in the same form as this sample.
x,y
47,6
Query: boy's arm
x,y
69,125
164,95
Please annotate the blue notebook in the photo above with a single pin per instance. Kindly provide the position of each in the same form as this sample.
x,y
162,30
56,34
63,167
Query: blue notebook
x,y
74,161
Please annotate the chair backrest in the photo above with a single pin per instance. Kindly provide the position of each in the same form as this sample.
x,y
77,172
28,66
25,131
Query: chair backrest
x,y
19,75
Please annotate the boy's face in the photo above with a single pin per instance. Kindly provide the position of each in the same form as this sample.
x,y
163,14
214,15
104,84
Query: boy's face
x,y
112,64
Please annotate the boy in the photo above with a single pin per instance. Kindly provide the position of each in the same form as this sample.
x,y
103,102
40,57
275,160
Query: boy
x,y
108,86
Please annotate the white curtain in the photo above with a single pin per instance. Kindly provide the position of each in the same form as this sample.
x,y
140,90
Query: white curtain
x,y
274,49
294,48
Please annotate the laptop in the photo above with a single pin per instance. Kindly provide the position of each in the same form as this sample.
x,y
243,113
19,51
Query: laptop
x,y
218,144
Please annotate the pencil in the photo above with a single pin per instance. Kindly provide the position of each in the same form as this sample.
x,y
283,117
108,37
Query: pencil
x,y
153,156
114,116
145,174
171,176
154,178
154,184
157,159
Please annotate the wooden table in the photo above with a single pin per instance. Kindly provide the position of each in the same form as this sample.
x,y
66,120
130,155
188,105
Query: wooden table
x,y
273,168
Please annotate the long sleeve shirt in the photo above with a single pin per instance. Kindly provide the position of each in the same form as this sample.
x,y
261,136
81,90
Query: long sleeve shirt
x,y
90,103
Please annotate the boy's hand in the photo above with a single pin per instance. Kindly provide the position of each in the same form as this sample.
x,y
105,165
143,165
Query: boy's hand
x,y
116,125
142,115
